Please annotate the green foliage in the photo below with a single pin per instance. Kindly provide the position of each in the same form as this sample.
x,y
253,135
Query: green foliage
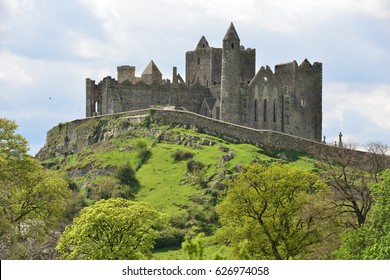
x,y
126,176
147,121
108,187
152,111
272,212
112,229
194,166
169,237
194,247
371,240
179,155
32,200
142,149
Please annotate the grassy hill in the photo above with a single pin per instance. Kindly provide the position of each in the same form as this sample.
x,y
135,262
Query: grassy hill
x,y
176,169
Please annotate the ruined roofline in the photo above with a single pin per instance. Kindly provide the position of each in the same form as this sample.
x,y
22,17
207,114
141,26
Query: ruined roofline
x,y
150,75
167,85
304,63
264,70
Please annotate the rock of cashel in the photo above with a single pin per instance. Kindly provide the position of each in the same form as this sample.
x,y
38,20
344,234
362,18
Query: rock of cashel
x,y
221,83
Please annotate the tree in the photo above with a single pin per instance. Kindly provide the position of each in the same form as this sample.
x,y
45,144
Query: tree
x,y
372,240
32,200
378,159
111,229
194,246
349,181
272,212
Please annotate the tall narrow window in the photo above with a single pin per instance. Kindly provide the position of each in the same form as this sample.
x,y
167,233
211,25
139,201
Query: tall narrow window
x,y
96,107
198,60
205,112
274,112
265,110
255,110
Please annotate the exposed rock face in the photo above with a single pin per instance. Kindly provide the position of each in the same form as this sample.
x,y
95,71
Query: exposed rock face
x,y
72,137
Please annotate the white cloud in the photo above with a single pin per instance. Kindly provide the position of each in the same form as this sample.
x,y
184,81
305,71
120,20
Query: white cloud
x,y
360,111
17,6
13,71
83,46
378,8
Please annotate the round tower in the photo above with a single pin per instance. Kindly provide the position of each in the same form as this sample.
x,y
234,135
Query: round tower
x,y
230,77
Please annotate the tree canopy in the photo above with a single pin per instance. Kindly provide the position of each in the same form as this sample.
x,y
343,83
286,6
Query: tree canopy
x,y
32,200
272,212
111,229
371,240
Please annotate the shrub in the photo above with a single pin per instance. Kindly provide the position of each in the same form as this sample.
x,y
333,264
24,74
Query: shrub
x,y
180,155
142,149
194,166
126,175
169,237
179,221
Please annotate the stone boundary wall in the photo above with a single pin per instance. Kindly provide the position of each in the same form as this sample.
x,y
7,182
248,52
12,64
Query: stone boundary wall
x,y
270,141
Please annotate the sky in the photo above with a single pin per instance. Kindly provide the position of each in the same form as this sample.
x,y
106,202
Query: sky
x,y
48,48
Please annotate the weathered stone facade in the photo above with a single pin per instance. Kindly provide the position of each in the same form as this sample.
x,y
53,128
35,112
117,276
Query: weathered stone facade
x,y
221,83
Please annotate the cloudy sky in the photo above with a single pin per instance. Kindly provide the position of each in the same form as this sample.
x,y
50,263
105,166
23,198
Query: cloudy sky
x,y
49,47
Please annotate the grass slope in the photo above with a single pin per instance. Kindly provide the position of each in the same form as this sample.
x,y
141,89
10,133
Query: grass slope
x,y
164,182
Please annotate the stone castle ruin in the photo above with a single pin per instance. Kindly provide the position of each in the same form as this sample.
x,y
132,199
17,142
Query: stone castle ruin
x,y
221,83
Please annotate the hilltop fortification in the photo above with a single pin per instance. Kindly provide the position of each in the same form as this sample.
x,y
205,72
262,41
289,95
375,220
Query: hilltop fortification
x,y
221,83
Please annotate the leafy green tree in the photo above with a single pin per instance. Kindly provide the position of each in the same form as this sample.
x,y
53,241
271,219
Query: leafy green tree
x,y
112,229
32,200
272,212
194,246
371,240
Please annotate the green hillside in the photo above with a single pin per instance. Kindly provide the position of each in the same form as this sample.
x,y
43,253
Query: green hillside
x,y
178,170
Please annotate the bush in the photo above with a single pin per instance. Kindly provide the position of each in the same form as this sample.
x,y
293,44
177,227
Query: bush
x,y
194,166
142,149
169,237
179,221
126,175
180,155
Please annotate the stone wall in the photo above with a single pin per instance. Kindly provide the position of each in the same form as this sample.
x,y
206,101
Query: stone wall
x,y
74,136
110,96
270,141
